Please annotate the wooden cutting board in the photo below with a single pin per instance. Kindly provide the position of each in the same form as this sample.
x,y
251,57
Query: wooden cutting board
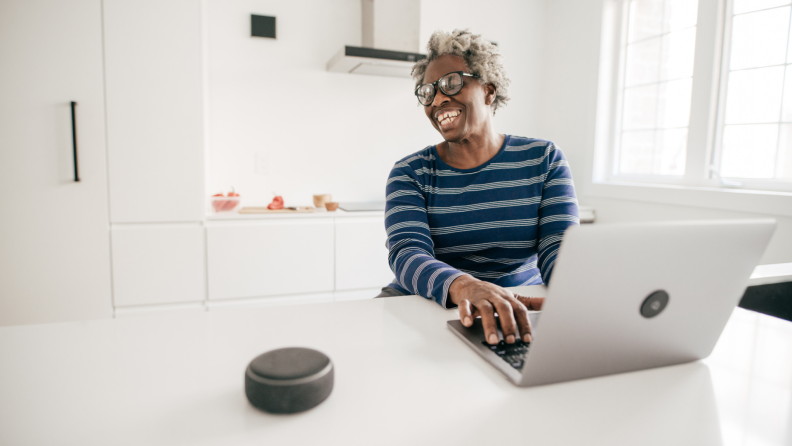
x,y
264,210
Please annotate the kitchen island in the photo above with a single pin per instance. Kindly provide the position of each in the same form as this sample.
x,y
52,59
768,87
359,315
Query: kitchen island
x,y
401,378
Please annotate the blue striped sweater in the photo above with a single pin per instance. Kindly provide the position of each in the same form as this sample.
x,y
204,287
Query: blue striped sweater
x,y
501,222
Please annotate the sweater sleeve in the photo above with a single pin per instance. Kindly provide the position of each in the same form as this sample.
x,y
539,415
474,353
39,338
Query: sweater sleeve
x,y
558,209
410,246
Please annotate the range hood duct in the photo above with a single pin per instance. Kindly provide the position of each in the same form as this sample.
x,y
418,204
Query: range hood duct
x,y
390,35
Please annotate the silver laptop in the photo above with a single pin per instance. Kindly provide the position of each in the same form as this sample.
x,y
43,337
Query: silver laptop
x,y
634,296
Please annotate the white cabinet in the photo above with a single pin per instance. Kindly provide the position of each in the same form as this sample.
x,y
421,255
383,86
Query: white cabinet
x,y
54,244
154,110
361,257
270,258
158,264
153,66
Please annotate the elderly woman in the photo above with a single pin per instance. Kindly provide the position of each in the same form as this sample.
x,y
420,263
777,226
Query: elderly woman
x,y
479,211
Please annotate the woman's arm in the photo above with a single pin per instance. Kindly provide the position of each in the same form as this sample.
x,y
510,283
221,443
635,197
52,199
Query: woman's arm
x,y
411,258
558,209
411,249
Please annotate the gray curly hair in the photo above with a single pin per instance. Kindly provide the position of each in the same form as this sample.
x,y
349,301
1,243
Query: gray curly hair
x,y
481,56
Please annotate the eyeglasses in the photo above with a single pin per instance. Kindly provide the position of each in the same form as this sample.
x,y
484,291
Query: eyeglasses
x,y
450,84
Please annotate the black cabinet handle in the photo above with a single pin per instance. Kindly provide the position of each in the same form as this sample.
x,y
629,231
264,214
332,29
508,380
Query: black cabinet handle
x,y
74,141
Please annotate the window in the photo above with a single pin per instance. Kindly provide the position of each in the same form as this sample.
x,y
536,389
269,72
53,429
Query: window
x,y
658,76
756,120
701,94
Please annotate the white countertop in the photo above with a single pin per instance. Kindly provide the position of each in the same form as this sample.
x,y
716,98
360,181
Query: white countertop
x,y
769,274
401,378
319,213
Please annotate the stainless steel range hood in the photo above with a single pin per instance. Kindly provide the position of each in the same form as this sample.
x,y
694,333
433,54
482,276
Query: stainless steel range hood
x,y
390,36
359,60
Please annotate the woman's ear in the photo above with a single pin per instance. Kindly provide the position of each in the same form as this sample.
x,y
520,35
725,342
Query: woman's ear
x,y
489,93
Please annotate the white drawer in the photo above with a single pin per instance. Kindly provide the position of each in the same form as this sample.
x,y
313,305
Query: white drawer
x,y
158,264
270,258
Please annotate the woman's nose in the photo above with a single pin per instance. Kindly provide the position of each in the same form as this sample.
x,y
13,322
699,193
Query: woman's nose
x,y
440,99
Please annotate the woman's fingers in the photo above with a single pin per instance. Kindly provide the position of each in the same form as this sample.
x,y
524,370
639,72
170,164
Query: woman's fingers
x,y
507,322
488,321
532,303
521,315
512,312
465,313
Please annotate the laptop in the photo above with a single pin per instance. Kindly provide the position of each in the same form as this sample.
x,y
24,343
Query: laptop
x,y
632,296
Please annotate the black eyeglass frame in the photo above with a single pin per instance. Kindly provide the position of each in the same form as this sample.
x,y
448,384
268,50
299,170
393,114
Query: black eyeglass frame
x,y
435,85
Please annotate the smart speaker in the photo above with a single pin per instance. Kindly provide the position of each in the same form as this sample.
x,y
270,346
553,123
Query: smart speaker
x,y
289,380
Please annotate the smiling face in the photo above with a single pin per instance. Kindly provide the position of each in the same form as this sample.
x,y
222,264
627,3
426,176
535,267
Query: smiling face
x,y
465,114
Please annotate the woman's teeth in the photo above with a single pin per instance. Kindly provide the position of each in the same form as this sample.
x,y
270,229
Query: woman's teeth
x,y
447,118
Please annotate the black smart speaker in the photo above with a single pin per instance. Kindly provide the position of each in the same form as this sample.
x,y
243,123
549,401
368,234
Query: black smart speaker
x,y
289,380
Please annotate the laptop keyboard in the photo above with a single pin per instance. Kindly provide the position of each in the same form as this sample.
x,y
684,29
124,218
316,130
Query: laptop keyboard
x,y
514,354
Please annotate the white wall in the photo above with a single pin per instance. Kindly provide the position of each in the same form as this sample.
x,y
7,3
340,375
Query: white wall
x,y
569,98
569,83
321,132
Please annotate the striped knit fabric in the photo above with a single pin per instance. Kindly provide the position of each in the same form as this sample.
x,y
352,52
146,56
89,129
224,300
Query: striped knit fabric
x,y
501,222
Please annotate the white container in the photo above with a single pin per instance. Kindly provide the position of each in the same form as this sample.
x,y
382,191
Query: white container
x,y
225,204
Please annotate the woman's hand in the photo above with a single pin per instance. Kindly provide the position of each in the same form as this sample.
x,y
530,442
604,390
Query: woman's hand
x,y
478,298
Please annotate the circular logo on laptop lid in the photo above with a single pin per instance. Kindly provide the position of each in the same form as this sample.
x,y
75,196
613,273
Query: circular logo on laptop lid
x,y
654,304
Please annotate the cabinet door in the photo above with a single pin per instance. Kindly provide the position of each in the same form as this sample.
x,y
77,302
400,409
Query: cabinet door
x,y
154,110
270,258
361,257
158,264
54,240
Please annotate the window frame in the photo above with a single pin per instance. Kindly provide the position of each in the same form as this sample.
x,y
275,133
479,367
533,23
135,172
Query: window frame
x,y
707,105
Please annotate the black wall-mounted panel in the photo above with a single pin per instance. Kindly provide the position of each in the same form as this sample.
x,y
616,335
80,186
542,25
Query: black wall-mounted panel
x,y
262,26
